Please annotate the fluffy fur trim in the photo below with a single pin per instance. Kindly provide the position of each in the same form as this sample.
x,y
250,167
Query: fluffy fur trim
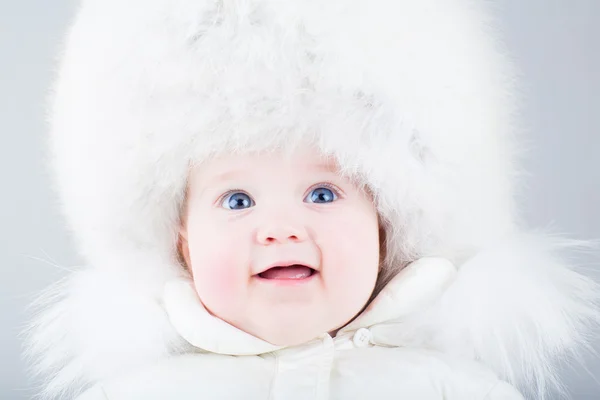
x,y
520,306
92,325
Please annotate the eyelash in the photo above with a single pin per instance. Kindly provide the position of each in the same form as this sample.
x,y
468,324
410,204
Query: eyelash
x,y
327,185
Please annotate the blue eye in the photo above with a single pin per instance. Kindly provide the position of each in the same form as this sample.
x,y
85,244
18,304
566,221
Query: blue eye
x,y
321,195
237,201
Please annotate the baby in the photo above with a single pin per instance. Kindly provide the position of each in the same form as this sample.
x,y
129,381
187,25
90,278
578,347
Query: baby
x,y
283,248
297,200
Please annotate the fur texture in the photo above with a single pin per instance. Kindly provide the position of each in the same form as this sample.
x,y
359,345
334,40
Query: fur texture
x,y
414,98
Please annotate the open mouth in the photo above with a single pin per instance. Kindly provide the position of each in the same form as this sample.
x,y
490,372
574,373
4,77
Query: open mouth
x,y
290,272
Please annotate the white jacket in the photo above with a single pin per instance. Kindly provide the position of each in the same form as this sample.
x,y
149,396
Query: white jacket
x,y
365,360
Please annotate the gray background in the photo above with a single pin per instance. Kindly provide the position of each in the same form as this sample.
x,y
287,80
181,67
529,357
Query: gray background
x,y
555,43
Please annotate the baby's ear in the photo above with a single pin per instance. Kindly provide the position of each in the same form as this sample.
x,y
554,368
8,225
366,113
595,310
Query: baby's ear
x,y
183,234
183,211
183,231
382,245
183,251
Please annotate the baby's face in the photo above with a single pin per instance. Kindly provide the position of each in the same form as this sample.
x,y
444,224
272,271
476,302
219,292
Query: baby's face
x,y
282,248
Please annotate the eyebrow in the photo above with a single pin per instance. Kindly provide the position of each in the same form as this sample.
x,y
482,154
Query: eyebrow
x,y
326,167
232,173
224,176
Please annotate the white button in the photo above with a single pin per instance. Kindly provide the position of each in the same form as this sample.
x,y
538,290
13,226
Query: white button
x,y
362,337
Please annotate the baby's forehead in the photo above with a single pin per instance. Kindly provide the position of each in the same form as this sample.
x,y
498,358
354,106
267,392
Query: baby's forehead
x,y
301,162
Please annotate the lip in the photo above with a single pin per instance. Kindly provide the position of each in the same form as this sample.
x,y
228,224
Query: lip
x,y
288,282
287,263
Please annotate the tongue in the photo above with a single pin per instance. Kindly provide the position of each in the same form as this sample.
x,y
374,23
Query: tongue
x,y
291,272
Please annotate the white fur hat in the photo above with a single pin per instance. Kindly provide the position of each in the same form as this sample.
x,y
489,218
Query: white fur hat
x,y
414,98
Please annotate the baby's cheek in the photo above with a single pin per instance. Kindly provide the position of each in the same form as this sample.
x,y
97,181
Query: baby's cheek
x,y
217,282
222,282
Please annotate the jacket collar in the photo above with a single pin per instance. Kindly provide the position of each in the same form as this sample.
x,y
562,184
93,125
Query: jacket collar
x,y
418,285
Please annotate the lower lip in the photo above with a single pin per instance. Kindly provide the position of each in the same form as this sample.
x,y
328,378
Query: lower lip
x,y
288,282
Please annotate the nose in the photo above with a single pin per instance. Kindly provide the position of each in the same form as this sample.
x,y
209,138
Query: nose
x,y
281,233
